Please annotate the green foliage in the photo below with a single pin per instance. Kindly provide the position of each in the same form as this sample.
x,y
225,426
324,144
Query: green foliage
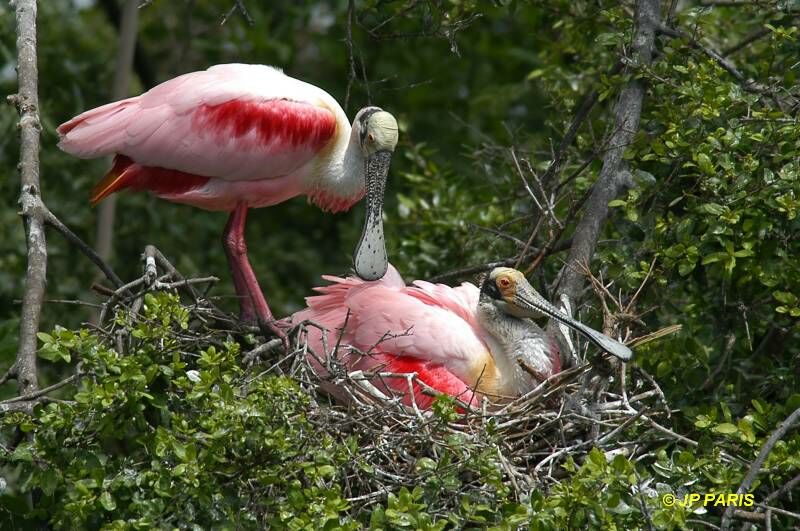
x,y
162,437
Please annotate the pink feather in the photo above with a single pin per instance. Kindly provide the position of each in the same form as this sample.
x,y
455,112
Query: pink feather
x,y
430,329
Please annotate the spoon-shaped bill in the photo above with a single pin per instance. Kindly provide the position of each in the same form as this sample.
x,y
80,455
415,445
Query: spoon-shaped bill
x,y
370,258
529,299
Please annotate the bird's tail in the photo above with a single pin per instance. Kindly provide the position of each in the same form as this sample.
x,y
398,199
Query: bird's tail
x,y
330,305
117,178
97,132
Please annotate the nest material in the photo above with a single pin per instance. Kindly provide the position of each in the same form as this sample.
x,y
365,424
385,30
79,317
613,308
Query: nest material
x,y
532,435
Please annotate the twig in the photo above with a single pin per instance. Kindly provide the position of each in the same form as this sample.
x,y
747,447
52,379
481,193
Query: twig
x,y
788,486
629,306
778,510
74,302
711,380
43,391
151,250
238,5
580,116
508,262
185,283
748,40
263,348
118,294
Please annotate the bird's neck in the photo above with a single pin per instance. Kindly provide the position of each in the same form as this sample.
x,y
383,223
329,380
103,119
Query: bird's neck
x,y
520,340
340,182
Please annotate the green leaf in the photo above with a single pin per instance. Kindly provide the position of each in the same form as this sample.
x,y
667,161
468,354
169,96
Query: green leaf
x,y
107,501
725,428
714,257
712,208
705,164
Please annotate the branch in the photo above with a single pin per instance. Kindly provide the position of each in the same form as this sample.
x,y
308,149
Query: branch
x,y
612,178
747,41
27,102
755,467
90,253
4,405
239,6
788,486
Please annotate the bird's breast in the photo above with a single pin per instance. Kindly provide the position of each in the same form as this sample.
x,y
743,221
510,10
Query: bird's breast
x,y
486,378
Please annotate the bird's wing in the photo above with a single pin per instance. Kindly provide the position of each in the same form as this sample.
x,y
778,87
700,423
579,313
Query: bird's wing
x,y
235,122
389,376
461,300
388,318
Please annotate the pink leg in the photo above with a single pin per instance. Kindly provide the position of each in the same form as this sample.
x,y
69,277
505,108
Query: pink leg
x,y
252,304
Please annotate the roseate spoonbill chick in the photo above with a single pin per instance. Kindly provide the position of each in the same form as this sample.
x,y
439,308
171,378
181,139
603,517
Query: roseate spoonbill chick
x,y
239,136
464,341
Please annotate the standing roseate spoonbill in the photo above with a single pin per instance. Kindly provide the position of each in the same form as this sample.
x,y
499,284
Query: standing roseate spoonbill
x,y
464,341
240,136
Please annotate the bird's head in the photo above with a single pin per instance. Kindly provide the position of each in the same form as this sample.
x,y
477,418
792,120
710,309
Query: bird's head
x,y
509,291
377,131
377,135
506,289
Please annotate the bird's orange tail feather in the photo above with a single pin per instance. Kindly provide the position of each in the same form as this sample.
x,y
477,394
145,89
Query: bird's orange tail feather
x,y
115,180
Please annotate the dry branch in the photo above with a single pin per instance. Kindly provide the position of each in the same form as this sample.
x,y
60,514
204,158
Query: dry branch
x,y
27,102
53,221
580,116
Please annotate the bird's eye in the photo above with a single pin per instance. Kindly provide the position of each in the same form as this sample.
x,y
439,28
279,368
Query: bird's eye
x,y
504,282
370,138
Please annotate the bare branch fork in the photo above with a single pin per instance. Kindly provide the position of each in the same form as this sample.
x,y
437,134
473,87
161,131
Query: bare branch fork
x,y
151,280
613,177
238,5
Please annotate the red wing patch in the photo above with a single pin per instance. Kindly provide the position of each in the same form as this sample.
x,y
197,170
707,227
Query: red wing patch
x,y
125,173
274,120
434,375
